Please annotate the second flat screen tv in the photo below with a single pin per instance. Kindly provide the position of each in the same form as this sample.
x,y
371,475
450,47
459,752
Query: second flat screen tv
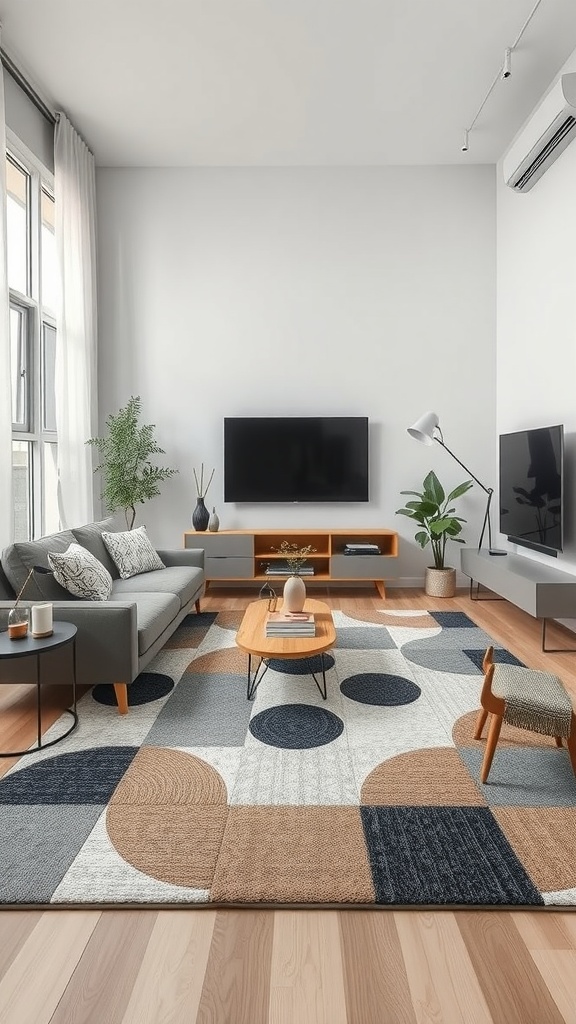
x,y
287,459
531,487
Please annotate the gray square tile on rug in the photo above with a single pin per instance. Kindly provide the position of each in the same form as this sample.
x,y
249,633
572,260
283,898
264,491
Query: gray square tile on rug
x,y
526,777
203,710
364,638
39,844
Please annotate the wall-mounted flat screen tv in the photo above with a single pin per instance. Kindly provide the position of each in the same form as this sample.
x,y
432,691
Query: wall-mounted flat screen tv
x,y
532,488
295,458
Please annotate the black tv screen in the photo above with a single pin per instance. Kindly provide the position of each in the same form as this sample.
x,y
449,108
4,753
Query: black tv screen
x,y
532,486
309,458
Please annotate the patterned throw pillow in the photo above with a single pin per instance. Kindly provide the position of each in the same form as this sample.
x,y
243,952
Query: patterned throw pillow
x,y
132,552
80,573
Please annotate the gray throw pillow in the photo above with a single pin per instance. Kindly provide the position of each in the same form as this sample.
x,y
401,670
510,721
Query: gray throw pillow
x,y
90,537
20,557
81,573
132,552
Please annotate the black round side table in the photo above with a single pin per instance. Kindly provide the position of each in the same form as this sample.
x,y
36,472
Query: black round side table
x,y
64,633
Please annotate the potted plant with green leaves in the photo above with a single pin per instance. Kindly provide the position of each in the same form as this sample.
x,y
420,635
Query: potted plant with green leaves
x,y
437,524
129,475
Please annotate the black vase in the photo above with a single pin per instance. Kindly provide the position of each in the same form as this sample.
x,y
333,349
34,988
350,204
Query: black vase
x,y
200,515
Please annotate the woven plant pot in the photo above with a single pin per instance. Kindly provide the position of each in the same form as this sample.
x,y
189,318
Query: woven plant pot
x,y
440,582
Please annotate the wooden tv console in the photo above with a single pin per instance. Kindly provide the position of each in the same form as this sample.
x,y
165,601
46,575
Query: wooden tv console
x,y
242,556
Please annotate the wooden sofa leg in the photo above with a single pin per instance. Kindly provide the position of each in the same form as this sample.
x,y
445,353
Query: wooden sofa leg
x,y
121,691
197,606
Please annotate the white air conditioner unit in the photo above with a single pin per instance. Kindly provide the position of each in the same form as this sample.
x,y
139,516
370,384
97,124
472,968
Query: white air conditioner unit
x,y
548,132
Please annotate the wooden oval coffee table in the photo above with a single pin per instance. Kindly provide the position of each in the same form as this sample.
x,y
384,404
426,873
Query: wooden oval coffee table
x,y
252,639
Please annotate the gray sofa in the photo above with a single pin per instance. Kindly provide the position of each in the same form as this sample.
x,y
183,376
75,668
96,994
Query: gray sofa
x,y
116,638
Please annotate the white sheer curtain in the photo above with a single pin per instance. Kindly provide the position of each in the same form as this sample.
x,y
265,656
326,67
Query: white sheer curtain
x,y
6,506
76,349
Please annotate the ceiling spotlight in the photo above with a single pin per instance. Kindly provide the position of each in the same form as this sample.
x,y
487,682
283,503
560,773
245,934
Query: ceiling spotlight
x,y
465,142
507,66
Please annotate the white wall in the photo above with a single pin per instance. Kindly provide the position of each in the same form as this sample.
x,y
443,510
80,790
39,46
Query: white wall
x,y
536,362
303,291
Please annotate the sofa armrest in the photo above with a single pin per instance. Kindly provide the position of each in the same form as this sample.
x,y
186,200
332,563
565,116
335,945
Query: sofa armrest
x,y
183,556
106,642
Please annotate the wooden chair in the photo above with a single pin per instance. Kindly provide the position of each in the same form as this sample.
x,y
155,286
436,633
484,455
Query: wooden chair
x,y
528,699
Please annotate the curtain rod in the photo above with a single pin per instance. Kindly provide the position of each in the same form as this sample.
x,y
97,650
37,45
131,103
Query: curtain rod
x,y
15,73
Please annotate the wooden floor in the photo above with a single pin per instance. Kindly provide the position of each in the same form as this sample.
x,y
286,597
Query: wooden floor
x,y
293,966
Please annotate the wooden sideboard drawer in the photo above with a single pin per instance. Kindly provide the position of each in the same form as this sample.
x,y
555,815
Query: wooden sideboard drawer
x,y
228,567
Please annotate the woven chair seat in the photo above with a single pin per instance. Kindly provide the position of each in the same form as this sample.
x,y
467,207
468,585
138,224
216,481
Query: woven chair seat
x,y
534,700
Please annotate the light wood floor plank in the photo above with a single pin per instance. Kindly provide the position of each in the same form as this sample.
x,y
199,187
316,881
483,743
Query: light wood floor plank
x,y
513,989
307,980
169,983
558,969
545,931
237,982
100,988
442,981
15,927
379,990
33,984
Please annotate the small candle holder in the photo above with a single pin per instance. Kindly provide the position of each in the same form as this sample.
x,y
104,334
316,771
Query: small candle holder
x,y
41,620
18,619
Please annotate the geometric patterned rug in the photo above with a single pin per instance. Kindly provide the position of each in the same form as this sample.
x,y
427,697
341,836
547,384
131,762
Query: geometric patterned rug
x,y
371,797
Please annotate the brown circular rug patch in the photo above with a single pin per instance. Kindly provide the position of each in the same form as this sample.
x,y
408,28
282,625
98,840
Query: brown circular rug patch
x,y
225,659
167,817
433,777
464,728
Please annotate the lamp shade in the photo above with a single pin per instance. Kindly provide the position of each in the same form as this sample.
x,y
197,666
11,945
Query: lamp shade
x,y
423,429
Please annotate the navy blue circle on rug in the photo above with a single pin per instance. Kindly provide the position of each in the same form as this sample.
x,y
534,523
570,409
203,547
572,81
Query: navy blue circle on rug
x,y
380,688
301,666
296,726
147,687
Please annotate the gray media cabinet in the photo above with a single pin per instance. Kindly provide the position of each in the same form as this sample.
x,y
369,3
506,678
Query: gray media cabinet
x,y
541,590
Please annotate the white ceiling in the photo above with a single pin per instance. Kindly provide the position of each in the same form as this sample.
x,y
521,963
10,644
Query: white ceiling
x,y
289,82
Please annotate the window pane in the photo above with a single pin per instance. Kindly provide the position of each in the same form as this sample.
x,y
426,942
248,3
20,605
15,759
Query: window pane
x,y
17,220
49,267
48,370
50,517
18,367
21,458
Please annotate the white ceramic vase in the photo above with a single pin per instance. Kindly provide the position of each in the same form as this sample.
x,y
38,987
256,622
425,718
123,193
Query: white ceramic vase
x,y
294,594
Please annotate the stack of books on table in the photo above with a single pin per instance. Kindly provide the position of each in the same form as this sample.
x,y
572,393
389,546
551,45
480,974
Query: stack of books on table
x,y
290,624
361,549
280,568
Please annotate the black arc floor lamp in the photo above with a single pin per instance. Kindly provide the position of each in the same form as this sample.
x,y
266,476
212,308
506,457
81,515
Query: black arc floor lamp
x,y
427,430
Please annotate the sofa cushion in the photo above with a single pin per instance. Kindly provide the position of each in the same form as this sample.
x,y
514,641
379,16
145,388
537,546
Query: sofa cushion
x,y
154,613
182,580
81,573
18,559
90,537
132,552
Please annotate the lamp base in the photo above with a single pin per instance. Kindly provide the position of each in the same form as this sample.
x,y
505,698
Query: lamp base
x,y
496,551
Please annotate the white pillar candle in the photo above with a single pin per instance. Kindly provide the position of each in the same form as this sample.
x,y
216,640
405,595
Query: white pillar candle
x,y
41,619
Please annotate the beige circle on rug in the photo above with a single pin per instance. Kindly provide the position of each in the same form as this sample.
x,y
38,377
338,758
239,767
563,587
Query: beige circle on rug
x,y
464,728
423,621
229,660
544,840
230,620
433,777
167,816
160,775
